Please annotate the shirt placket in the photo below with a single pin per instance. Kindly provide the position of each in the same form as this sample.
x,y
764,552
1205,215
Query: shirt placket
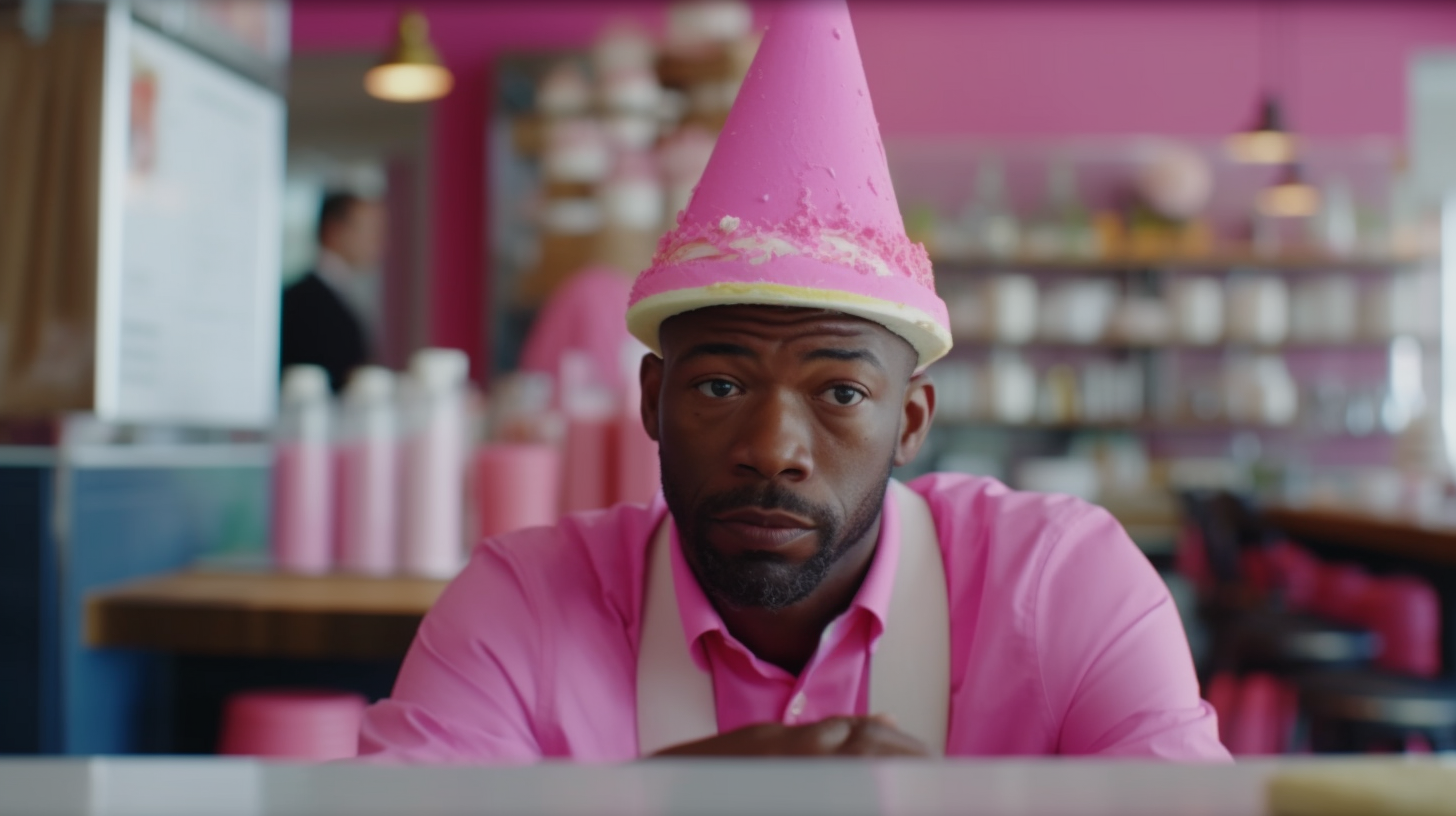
x,y
798,710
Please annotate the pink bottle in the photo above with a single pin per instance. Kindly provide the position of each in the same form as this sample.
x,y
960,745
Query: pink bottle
x,y
588,459
517,485
368,475
302,484
587,462
435,451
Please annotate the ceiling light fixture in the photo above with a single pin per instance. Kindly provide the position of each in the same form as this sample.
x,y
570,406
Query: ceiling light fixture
x,y
1268,140
411,71
1289,197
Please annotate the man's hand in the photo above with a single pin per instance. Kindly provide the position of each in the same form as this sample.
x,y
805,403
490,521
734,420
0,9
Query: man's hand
x,y
836,736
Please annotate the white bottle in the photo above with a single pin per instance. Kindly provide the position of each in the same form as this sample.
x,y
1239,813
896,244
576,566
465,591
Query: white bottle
x,y
368,474
435,452
302,486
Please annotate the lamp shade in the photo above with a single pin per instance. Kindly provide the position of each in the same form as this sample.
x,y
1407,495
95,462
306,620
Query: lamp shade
x,y
1290,196
411,71
1267,141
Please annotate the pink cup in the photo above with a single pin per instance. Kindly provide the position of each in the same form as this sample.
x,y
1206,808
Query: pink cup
x,y
292,724
517,486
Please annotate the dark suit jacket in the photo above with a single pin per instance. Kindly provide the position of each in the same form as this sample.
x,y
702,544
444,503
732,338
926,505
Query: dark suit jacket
x,y
319,328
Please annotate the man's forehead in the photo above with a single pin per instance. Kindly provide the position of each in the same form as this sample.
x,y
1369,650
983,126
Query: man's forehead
x,y
742,326
757,318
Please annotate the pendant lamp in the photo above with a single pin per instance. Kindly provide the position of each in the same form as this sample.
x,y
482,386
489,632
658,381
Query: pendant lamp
x,y
411,71
1268,140
1289,197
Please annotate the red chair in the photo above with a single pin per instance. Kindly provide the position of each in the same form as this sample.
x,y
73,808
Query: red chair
x,y
1260,723
1223,694
1340,592
1406,612
1295,571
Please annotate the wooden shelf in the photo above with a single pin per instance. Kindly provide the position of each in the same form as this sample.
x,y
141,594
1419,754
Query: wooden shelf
x,y
1143,426
1211,263
263,615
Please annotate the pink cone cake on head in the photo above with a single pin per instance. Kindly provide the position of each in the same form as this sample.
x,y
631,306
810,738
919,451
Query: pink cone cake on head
x,y
795,207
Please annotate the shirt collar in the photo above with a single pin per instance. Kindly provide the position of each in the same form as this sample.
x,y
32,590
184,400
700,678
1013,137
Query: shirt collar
x,y
333,268
699,617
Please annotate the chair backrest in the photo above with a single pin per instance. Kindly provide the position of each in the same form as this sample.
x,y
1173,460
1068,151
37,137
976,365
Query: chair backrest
x,y
1341,591
292,723
1405,612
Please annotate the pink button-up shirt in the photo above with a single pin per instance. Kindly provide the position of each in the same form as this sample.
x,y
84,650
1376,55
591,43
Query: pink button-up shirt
x,y
1063,641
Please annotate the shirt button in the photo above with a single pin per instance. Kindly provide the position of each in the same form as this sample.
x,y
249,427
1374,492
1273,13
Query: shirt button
x,y
796,707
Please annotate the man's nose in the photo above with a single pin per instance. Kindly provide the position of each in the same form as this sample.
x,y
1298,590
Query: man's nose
x,y
775,439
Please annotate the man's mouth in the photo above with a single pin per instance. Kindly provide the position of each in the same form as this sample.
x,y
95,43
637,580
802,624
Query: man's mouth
x,y
756,528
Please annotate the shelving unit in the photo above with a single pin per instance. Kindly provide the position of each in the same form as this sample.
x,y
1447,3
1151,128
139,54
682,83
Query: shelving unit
x,y
1309,262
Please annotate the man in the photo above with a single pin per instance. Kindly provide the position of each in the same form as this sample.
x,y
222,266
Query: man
x,y
325,313
783,596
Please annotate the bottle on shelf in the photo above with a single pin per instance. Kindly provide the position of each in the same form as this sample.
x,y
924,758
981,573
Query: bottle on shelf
x,y
368,474
1064,229
991,227
302,539
1335,226
435,448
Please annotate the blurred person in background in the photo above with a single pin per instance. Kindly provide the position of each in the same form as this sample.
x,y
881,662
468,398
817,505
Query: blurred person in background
x,y
327,312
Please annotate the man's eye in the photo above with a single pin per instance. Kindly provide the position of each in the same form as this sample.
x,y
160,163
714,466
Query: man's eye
x,y
718,389
845,395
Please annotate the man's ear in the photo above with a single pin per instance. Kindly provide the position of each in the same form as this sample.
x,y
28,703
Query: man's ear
x,y
650,375
915,418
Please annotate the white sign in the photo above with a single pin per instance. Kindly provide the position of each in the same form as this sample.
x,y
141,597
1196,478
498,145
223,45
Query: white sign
x,y
191,249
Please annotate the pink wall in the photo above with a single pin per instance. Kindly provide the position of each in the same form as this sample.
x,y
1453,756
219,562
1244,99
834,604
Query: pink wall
x,y
995,67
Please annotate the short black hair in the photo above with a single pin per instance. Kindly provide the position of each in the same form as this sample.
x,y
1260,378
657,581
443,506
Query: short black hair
x,y
335,209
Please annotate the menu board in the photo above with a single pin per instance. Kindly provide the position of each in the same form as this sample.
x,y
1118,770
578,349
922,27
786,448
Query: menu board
x,y
188,301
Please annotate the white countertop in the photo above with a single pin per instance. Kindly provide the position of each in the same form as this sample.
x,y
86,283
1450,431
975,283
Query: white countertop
x,y
206,786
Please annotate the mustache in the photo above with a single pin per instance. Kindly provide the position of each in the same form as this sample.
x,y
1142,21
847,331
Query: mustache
x,y
767,497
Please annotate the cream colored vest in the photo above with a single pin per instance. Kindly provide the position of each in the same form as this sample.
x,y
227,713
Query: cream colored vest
x,y
909,670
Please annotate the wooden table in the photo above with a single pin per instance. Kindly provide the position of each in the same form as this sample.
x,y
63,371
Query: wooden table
x,y
1386,543
1387,535
240,614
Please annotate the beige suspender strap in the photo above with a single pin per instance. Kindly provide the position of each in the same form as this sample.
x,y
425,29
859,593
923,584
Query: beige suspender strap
x,y
910,669
674,697
909,672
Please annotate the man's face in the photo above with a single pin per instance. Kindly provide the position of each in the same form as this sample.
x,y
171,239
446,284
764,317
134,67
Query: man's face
x,y
359,237
778,429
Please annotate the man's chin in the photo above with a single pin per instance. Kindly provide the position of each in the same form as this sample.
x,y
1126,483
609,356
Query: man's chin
x,y
759,581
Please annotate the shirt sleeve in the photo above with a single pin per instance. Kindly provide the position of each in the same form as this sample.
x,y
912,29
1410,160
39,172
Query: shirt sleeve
x,y
466,692
1115,665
